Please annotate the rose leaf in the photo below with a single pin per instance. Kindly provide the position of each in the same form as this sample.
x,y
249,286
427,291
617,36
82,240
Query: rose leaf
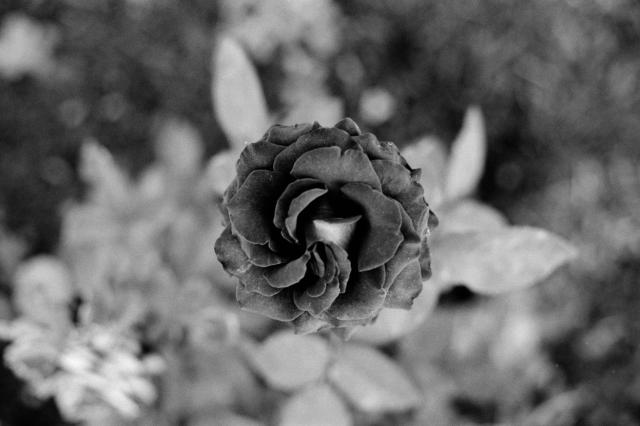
x,y
371,381
315,406
468,216
288,361
496,261
468,153
238,99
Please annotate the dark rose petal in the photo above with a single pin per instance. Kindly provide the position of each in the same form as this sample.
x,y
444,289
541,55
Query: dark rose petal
x,y
317,264
278,307
307,323
398,183
319,285
319,304
256,156
341,258
296,207
335,168
408,252
377,150
318,138
251,209
425,260
364,296
381,240
260,254
294,189
286,135
406,287
230,254
349,126
288,274
254,281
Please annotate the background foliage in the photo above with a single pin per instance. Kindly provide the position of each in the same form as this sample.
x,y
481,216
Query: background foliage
x,y
557,84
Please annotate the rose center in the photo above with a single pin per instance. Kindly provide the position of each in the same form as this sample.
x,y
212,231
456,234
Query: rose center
x,y
332,230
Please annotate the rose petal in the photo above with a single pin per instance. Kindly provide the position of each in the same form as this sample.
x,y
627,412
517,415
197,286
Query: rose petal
x,y
319,304
294,189
382,238
425,260
317,264
317,138
349,126
288,274
364,296
406,287
279,307
251,209
260,254
377,150
398,182
341,258
335,168
256,156
307,323
286,135
296,207
230,254
254,281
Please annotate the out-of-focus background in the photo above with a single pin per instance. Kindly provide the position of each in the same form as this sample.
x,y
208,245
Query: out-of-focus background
x,y
558,83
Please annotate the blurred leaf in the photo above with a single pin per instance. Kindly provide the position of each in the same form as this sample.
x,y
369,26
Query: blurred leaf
x,y
315,406
392,324
429,155
501,260
108,185
319,107
288,361
43,291
238,99
468,216
371,381
220,171
179,147
468,153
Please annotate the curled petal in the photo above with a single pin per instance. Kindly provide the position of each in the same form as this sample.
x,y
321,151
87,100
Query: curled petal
x,y
288,274
279,307
260,254
286,135
254,281
335,168
322,137
349,126
406,287
294,189
251,209
256,156
230,254
296,207
377,150
381,240
319,304
363,299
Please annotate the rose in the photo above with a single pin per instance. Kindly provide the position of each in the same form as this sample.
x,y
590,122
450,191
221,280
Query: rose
x,y
324,227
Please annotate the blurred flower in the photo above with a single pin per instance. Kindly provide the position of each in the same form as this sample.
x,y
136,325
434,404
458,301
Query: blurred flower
x,y
325,227
25,47
376,105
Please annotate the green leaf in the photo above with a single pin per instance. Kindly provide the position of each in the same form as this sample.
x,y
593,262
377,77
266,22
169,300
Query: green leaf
x,y
288,361
393,324
468,153
429,155
238,99
497,261
372,382
468,216
315,406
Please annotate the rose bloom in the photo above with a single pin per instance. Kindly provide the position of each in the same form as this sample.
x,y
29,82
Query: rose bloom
x,y
324,227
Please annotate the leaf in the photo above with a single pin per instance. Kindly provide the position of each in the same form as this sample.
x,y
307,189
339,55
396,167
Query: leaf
x,y
393,324
238,99
497,261
315,406
429,155
371,381
468,216
179,147
108,184
468,153
288,361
